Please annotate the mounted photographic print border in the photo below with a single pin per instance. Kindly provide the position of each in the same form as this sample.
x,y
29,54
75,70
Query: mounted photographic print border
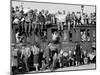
x,y
52,37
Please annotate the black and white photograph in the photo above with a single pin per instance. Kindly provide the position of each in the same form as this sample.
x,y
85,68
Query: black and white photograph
x,y
51,37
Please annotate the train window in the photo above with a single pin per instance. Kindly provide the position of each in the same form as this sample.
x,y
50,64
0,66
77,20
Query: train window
x,y
70,35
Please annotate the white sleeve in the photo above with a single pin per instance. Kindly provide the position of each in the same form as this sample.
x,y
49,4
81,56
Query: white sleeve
x,y
22,19
17,37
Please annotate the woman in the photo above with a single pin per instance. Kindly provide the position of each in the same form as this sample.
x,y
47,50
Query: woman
x,y
35,50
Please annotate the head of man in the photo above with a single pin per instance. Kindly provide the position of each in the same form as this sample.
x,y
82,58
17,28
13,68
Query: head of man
x,y
46,12
59,12
42,11
12,8
64,12
68,12
35,11
17,8
23,47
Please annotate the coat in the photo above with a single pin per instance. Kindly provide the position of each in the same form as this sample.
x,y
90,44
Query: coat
x,y
41,19
47,54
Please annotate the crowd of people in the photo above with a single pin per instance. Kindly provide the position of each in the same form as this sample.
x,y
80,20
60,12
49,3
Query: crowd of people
x,y
27,57
34,20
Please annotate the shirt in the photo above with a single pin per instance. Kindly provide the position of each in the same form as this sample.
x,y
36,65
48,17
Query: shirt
x,y
17,37
35,50
52,47
78,16
54,37
26,52
18,14
35,18
61,18
83,36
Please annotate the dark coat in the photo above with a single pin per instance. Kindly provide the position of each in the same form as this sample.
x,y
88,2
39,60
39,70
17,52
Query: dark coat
x,y
78,53
48,17
41,19
34,17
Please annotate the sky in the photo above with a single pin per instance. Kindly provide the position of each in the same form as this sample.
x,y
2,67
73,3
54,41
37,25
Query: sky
x,y
53,7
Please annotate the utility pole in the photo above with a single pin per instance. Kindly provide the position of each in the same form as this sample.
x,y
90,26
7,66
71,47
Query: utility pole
x,y
82,8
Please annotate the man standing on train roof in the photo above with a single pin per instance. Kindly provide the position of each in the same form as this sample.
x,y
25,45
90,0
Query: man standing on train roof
x,y
68,20
41,20
78,18
47,19
28,22
73,19
60,20
35,20
18,13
